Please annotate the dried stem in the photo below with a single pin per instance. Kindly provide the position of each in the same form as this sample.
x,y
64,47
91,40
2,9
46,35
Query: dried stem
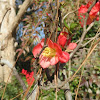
x,y
79,83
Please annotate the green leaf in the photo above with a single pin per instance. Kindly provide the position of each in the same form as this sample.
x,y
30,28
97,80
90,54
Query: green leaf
x,y
59,29
66,25
73,25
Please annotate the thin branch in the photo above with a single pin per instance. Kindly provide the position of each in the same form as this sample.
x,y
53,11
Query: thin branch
x,y
91,40
17,95
87,15
53,86
68,14
79,82
34,9
81,40
18,17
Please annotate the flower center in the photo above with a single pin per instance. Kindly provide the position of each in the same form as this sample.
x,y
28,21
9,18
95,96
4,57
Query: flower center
x,y
61,33
49,52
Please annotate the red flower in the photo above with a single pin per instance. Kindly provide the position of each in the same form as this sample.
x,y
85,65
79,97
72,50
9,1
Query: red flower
x,y
24,71
62,38
92,15
51,55
29,76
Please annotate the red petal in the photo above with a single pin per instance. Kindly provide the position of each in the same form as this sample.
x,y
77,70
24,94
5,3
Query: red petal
x,y
44,62
24,71
42,41
31,73
95,9
82,9
64,57
81,13
72,46
50,43
58,49
62,40
54,60
37,49
27,75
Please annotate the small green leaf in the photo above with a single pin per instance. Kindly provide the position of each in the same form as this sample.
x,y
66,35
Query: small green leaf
x,y
66,25
59,29
73,25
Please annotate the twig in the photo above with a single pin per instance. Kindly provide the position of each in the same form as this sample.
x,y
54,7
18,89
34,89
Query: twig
x,y
56,19
12,26
68,14
34,9
91,40
17,95
79,83
69,68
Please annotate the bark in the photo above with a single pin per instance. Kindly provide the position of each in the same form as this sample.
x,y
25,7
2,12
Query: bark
x,y
8,24
7,51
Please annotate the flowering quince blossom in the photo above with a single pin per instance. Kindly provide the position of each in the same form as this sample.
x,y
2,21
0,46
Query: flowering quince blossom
x,y
29,76
51,55
94,13
62,38
71,46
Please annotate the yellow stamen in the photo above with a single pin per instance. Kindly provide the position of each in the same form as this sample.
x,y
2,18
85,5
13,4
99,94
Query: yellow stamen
x,y
61,33
49,52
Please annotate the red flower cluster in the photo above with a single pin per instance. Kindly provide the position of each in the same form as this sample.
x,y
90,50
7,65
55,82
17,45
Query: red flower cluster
x,y
93,15
29,76
53,53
